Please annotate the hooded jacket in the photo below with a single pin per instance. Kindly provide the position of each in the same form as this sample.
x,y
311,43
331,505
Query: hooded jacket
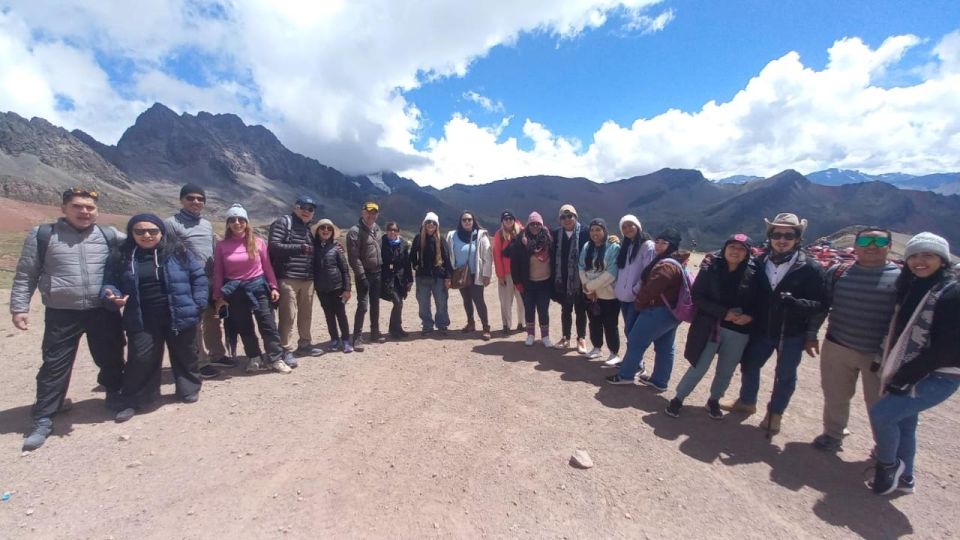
x,y
363,250
628,277
483,268
600,282
804,281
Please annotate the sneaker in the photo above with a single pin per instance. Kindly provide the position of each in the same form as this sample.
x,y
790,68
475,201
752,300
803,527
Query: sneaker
x,y
594,353
191,398
253,365
529,341
377,337
334,345
486,334
617,379
521,327
209,371
613,360
42,429
738,406
713,409
113,401
673,408
581,346
289,359
827,443
470,327
309,350
347,347
125,415
646,380
357,344
547,343
886,479
281,366
226,362
907,484
563,344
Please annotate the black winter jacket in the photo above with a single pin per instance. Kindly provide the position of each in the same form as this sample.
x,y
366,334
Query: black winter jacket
x,y
804,281
943,343
396,272
331,271
559,242
425,264
519,256
288,235
715,292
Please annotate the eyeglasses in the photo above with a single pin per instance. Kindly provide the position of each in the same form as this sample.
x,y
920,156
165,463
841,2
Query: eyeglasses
x,y
146,232
307,208
233,220
509,219
195,198
466,219
325,228
80,192
879,241
567,216
393,230
782,236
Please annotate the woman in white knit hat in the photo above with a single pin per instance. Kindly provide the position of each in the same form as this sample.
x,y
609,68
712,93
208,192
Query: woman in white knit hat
x,y
430,260
921,362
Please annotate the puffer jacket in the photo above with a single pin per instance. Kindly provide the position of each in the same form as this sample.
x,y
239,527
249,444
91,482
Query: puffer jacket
x,y
196,233
396,274
185,283
363,250
628,277
331,272
600,282
288,235
72,273
665,281
804,281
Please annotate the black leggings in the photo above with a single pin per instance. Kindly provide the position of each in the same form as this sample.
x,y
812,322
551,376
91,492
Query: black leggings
x,y
473,295
240,322
566,317
605,323
336,313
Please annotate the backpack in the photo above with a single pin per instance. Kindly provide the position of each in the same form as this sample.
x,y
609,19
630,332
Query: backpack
x,y
684,311
45,231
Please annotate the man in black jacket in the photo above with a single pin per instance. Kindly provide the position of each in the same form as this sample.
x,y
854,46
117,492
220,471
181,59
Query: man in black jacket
x,y
568,240
790,294
291,254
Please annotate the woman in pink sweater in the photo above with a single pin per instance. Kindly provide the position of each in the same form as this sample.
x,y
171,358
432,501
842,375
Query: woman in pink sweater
x,y
244,282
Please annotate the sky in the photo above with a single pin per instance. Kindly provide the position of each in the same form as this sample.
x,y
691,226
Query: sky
x,y
446,92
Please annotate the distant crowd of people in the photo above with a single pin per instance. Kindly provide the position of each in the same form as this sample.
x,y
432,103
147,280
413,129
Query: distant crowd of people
x,y
170,284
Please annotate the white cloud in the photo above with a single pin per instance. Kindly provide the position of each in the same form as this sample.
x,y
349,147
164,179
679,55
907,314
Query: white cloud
x,y
484,102
639,20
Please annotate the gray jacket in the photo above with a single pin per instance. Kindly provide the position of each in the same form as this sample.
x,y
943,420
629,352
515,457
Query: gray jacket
x,y
196,233
72,271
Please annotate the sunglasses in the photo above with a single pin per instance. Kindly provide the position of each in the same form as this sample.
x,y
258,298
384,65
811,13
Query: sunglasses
x,y
233,220
393,230
534,224
146,232
81,192
307,208
195,198
373,210
879,241
782,236
567,216
466,219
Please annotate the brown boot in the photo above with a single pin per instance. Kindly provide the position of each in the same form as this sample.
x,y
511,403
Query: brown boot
x,y
470,327
737,406
771,423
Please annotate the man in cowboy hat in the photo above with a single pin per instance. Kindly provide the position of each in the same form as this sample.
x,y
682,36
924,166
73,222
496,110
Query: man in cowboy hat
x,y
790,286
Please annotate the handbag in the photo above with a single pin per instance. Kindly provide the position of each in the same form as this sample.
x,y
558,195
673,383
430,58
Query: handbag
x,y
461,276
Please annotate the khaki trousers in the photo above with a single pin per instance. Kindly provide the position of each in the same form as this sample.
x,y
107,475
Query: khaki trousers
x,y
508,293
839,369
209,337
296,302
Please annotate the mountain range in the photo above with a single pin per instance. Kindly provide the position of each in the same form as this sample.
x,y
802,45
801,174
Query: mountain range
x,y
240,163
943,183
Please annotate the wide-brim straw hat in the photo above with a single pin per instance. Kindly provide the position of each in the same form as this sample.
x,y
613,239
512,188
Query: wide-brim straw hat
x,y
786,219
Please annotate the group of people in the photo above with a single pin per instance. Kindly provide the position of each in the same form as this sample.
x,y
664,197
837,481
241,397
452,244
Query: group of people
x,y
170,284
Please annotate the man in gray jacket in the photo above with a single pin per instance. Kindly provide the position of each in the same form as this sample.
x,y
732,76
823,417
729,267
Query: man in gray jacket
x,y
67,261
197,234
363,254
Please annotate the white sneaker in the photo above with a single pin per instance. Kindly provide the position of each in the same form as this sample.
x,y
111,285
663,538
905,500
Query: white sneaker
x,y
613,360
582,346
594,353
547,343
281,366
529,341
254,365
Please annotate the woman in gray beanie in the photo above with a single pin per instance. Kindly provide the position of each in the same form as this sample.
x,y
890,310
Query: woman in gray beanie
x,y
921,363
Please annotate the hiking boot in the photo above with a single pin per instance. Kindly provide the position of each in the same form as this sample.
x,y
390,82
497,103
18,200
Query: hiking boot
x,y
112,401
254,365
713,409
581,346
225,362
506,331
617,379
442,331
738,406
191,398
125,415
334,345
470,327
347,347
673,408
426,332
771,423
289,359
281,366
886,477
547,342
65,406
520,327
827,443
613,360
594,353
309,350
358,343
42,429
529,341
377,337
647,380
907,484
400,334
209,371
486,334
564,343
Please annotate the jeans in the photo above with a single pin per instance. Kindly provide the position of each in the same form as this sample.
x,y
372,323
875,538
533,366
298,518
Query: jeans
x,y
472,296
567,310
427,287
368,296
629,312
758,351
729,349
335,311
654,325
141,375
894,418
240,322
536,301
605,324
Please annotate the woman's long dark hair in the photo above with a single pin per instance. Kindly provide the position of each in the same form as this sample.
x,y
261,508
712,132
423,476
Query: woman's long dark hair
x,y
907,277
671,249
625,246
169,246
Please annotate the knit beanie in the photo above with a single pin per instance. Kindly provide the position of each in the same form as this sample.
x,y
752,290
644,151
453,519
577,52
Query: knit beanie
x,y
534,218
237,210
599,222
671,235
192,188
431,216
149,218
930,243
630,218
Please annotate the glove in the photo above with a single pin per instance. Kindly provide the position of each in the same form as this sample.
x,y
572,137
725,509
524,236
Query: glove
x,y
898,389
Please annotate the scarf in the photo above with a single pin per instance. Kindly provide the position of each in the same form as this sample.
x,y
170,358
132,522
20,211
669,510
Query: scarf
x,y
537,245
780,258
464,235
394,243
571,288
189,216
914,337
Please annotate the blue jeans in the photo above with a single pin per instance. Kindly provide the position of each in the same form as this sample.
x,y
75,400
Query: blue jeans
x,y
729,348
894,418
653,325
629,312
536,301
759,349
427,287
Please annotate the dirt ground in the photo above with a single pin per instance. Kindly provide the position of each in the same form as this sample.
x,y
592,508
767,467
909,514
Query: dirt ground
x,y
449,438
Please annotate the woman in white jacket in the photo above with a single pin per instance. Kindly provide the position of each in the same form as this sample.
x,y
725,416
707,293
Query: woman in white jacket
x,y
469,245
598,273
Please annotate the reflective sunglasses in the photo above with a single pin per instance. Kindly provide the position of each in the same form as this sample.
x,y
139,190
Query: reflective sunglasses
x,y
782,236
879,241
307,208
567,216
235,220
325,228
145,232
92,193
195,198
